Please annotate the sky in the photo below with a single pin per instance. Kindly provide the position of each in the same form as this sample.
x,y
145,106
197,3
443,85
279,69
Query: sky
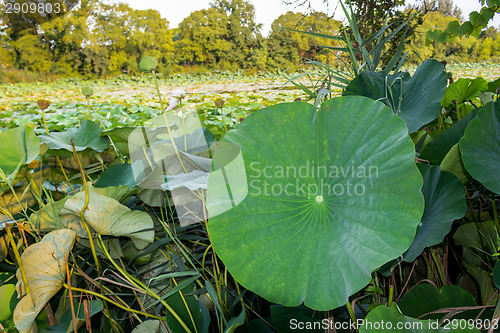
x,y
266,11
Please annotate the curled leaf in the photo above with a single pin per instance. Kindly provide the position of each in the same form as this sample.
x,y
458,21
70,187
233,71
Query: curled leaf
x,y
108,217
45,269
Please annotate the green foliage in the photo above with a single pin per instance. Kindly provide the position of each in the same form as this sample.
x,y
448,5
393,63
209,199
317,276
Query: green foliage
x,y
288,48
313,221
396,322
425,298
415,99
140,260
373,15
33,55
482,47
444,203
482,160
202,38
477,22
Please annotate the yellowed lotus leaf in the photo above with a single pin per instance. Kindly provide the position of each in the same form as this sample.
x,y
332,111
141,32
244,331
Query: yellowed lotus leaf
x,y
109,217
45,269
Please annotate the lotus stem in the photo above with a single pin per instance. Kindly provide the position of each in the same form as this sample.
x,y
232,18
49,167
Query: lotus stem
x,y
44,122
89,234
187,308
139,285
86,189
495,213
438,267
109,300
166,120
351,312
391,292
88,108
70,293
18,258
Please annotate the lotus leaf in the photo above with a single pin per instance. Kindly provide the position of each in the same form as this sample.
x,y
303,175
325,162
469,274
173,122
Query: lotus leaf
x,y
444,203
108,217
45,269
19,146
425,298
395,322
480,147
436,150
416,100
462,90
330,196
88,135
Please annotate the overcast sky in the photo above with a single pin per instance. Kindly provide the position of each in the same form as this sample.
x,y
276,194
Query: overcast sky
x,y
266,10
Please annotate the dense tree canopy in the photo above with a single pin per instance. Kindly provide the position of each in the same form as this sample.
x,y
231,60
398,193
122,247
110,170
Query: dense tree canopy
x,y
202,38
287,48
99,37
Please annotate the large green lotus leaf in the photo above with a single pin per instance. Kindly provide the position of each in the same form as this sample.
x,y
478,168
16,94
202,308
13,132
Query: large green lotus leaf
x,y
425,298
19,146
45,269
417,100
462,90
88,135
314,201
436,150
444,203
390,320
108,217
480,147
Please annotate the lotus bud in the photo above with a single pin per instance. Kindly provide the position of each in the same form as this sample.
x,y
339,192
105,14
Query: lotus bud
x,y
179,93
176,96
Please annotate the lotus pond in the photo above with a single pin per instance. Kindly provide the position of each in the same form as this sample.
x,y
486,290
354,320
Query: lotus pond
x,y
128,205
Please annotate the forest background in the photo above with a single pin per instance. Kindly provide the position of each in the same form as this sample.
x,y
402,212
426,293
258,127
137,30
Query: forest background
x,y
102,38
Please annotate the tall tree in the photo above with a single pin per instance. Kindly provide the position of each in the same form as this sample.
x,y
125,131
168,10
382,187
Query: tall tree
x,y
203,38
445,7
243,31
288,48
371,15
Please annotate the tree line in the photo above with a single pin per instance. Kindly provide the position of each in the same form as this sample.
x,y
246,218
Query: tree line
x,y
99,38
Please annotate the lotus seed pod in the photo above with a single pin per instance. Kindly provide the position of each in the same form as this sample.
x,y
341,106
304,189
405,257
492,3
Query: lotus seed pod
x,y
219,102
43,104
87,91
147,64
